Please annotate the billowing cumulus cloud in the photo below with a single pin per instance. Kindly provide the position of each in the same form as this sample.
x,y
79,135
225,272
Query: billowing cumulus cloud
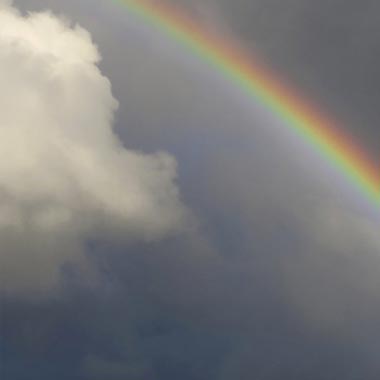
x,y
64,175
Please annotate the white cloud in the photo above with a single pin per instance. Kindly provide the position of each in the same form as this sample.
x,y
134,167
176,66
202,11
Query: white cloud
x,y
64,175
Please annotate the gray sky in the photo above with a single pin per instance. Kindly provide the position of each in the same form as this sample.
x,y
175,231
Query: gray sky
x,y
329,49
255,260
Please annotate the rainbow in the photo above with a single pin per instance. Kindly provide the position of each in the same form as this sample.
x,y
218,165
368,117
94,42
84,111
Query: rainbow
x,y
320,132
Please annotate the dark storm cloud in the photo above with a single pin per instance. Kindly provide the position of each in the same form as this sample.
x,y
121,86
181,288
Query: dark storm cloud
x,y
279,280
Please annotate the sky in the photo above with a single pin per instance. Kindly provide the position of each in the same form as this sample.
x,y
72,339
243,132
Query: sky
x,y
156,223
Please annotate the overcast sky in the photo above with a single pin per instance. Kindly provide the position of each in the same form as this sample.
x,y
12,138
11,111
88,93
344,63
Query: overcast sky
x,y
155,223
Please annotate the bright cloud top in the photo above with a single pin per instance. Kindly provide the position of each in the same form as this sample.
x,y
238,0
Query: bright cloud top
x,y
64,175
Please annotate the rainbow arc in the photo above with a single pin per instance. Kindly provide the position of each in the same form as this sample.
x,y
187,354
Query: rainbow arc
x,y
246,71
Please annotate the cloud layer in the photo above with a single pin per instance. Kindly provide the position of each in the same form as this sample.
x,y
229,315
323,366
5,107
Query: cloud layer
x,y
64,175
282,278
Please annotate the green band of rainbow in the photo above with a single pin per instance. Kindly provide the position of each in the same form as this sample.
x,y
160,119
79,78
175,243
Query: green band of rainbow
x,y
256,80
